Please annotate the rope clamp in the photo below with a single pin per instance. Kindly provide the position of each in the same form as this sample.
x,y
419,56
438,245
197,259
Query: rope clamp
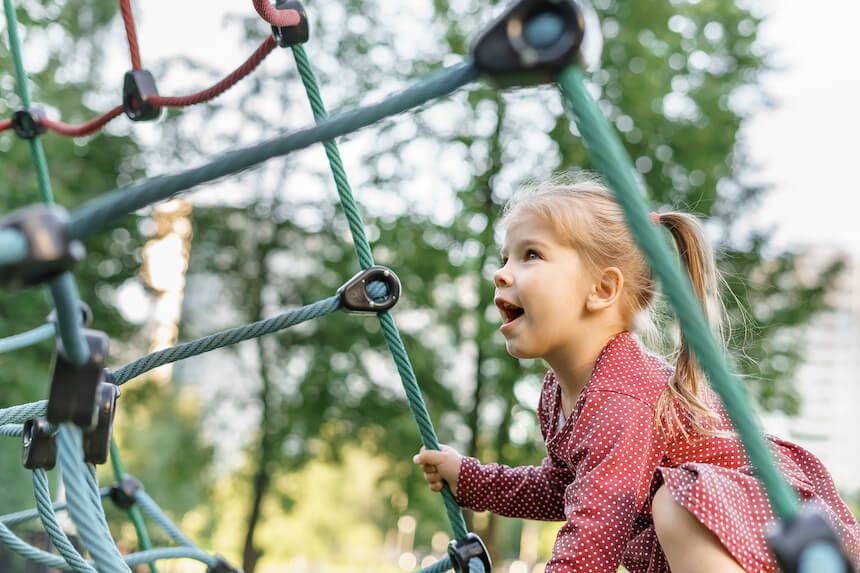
x,y
531,41
97,440
40,446
137,87
807,537
355,295
27,122
461,551
124,493
287,36
50,250
74,388
221,566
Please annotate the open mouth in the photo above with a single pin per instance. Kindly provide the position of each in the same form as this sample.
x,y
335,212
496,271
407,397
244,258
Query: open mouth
x,y
510,312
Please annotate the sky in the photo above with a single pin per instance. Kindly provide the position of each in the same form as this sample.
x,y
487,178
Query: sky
x,y
804,147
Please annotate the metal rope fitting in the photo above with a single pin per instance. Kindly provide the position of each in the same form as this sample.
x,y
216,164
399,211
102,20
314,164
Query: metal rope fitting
x,y
97,440
287,36
464,550
803,543
137,85
533,40
355,296
27,122
73,388
39,445
50,250
124,493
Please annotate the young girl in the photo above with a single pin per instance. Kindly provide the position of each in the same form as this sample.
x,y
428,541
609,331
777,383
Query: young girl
x,y
642,462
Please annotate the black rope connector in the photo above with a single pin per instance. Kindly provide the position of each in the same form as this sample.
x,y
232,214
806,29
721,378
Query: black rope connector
x,y
86,315
287,36
461,551
124,493
807,536
73,388
39,445
27,122
136,87
50,250
531,41
97,440
221,566
356,297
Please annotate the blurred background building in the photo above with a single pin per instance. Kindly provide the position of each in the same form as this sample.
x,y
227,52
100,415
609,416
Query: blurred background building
x,y
828,381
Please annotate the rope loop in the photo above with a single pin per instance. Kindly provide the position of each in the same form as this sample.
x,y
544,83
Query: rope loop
x,y
275,17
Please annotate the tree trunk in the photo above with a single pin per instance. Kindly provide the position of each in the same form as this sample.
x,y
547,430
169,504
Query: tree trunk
x,y
262,474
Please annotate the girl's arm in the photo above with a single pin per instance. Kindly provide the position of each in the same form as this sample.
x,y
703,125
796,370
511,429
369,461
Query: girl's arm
x,y
527,492
619,448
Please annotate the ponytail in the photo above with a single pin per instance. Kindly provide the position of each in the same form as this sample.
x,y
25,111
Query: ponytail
x,y
688,385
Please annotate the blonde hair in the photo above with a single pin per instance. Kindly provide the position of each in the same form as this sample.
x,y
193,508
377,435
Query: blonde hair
x,y
584,214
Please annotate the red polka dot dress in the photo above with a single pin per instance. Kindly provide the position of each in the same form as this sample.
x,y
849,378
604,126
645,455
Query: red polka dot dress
x,y
606,461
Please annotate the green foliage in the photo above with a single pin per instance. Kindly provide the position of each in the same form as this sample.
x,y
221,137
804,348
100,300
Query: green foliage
x,y
670,82
80,169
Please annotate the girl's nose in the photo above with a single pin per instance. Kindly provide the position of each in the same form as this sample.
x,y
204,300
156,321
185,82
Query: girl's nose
x,y
502,278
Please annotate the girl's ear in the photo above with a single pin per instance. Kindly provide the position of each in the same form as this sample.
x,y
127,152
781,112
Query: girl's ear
x,y
606,291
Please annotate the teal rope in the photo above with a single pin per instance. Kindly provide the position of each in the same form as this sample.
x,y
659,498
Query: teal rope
x,y
13,519
225,338
362,248
133,511
13,247
27,551
89,520
152,510
12,431
63,289
612,161
24,93
28,338
124,200
23,412
69,319
169,553
52,527
443,564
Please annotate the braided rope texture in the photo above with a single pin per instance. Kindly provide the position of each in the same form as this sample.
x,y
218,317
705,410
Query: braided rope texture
x,y
365,256
226,338
52,526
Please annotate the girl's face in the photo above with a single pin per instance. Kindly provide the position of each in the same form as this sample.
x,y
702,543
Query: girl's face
x,y
541,290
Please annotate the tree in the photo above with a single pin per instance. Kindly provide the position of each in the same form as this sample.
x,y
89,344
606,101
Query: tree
x,y
63,77
671,72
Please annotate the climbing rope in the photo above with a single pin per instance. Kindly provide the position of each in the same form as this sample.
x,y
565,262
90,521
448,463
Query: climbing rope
x,y
522,46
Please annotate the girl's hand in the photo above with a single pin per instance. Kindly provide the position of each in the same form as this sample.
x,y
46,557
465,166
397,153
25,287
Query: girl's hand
x,y
439,465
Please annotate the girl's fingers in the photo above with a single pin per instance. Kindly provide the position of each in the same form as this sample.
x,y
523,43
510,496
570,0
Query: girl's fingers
x,y
432,477
429,468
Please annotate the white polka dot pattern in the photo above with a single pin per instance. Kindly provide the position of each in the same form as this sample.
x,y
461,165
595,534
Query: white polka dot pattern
x,y
606,462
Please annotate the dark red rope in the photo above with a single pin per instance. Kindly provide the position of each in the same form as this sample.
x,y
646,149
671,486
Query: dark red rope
x,y
87,128
128,19
270,14
210,93
274,16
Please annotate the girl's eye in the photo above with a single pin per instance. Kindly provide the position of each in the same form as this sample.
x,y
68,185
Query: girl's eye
x,y
532,254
